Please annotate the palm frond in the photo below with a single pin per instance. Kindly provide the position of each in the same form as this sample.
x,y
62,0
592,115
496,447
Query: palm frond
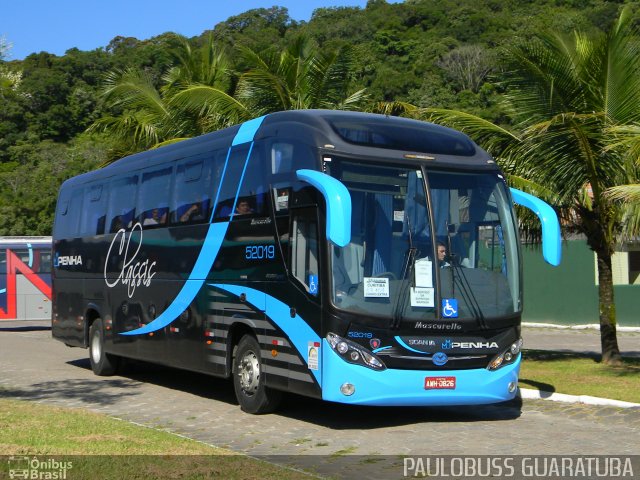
x,y
493,138
624,193
209,101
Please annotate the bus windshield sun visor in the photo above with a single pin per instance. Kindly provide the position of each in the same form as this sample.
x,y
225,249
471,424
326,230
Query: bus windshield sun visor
x,y
338,202
551,239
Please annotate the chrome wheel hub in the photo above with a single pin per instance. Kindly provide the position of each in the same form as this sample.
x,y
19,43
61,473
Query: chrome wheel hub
x,y
96,351
249,373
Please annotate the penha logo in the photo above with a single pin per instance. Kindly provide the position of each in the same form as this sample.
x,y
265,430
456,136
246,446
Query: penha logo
x,y
133,274
67,260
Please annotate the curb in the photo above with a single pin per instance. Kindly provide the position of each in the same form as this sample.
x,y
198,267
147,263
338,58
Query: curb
x,y
529,394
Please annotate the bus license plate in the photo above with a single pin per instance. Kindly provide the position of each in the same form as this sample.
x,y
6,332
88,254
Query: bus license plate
x,y
431,383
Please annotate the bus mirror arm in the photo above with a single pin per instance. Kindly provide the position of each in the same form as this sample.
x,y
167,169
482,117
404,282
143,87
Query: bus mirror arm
x,y
338,202
551,238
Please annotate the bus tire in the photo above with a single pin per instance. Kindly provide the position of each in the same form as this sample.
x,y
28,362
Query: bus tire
x,y
248,381
102,363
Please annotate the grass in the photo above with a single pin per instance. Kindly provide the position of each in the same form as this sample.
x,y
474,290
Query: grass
x,y
90,441
577,374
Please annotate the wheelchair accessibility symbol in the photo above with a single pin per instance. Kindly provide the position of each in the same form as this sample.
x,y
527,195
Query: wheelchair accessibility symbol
x,y
313,284
449,308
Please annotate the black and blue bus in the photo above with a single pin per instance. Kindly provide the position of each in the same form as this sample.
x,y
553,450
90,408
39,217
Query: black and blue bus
x,y
352,257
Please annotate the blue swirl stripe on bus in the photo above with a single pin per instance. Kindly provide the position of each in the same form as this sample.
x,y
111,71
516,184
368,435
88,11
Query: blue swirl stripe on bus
x,y
208,252
296,328
401,342
247,131
193,284
224,171
244,169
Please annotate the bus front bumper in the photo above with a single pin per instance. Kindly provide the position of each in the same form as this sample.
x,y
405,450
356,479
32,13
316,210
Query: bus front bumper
x,y
392,387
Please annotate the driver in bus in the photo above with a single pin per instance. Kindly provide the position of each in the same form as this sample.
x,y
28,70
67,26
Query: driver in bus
x,y
442,255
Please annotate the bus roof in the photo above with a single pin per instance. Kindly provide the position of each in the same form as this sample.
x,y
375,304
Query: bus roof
x,y
22,241
364,134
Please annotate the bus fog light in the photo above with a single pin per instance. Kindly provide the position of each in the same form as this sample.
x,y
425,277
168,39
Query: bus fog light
x,y
347,389
512,387
342,347
508,357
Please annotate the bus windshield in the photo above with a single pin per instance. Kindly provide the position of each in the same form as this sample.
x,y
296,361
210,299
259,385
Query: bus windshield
x,y
400,266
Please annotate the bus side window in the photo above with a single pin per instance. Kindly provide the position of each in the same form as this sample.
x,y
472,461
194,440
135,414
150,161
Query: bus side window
x,y
253,196
153,197
289,156
44,264
95,210
191,201
122,203
69,214
304,249
229,185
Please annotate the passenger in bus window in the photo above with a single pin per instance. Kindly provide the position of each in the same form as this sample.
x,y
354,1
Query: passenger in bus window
x,y
243,207
155,218
192,214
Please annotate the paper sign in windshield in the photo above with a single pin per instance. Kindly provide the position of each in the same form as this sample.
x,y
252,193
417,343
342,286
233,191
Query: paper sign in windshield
x,y
424,273
422,297
376,287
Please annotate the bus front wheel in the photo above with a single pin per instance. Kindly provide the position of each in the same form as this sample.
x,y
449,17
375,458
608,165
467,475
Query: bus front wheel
x,y
248,379
102,363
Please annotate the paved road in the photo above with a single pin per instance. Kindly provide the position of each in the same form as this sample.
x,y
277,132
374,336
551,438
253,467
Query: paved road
x,y
571,340
328,437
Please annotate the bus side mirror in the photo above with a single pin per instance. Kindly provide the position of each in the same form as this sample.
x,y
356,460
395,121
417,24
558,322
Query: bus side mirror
x,y
338,202
551,239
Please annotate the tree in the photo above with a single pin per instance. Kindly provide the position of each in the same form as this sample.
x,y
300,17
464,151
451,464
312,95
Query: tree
x,y
204,93
467,66
5,47
145,116
297,77
570,97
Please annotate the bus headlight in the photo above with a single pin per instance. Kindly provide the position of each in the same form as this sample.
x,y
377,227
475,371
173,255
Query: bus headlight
x,y
506,357
351,352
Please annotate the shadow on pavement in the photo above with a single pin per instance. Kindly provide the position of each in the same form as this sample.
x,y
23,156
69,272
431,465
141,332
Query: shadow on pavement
x,y
349,417
195,383
28,328
326,414
543,387
98,391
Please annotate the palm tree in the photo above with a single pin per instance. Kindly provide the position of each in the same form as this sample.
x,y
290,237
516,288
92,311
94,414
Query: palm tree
x,y
147,116
299,77
572,99
204,93
142,119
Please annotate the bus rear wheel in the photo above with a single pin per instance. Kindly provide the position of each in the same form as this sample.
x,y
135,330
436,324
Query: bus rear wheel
x,y
248,380
102,363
